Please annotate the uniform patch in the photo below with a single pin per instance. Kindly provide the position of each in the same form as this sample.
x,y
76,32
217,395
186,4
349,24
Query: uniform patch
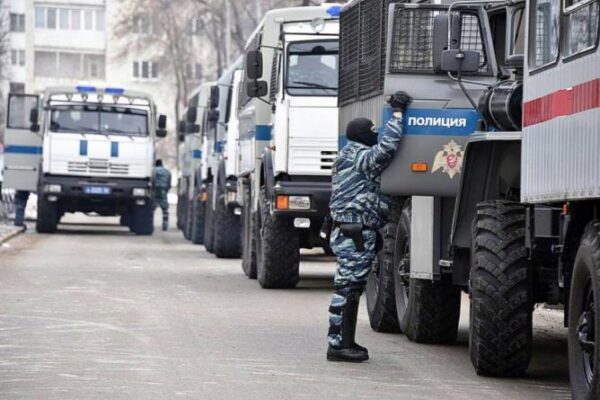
x,y
449,160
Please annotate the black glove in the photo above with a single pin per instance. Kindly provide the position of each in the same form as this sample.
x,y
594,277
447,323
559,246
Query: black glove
x,y
399,101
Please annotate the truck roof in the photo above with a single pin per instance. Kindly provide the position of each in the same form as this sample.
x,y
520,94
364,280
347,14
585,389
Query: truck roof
x,y
84,89
293,14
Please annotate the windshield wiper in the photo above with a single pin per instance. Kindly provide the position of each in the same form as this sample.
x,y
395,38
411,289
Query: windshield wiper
x,y
315,85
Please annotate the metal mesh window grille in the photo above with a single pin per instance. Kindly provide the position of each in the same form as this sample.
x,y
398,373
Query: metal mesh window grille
x,y
370,47
471,39
363,49
349,54
412,47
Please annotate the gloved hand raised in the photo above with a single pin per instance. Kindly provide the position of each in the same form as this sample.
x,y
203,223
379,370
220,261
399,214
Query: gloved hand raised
x,y
399,101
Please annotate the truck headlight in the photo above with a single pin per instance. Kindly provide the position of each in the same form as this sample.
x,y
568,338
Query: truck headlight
x,y
299,203
52,188
140,192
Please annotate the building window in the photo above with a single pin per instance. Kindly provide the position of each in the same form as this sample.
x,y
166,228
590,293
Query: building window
x,y
193,26
17,57
143,25
17,22
145,70
17,87
69,65
193,71
69,18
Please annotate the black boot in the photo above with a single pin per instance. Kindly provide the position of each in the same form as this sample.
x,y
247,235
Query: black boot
x,y
349,351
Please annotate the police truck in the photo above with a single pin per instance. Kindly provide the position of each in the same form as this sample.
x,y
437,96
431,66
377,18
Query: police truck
x,y
287,139
85,149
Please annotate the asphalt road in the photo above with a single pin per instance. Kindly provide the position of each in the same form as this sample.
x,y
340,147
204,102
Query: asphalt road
x,y
95,313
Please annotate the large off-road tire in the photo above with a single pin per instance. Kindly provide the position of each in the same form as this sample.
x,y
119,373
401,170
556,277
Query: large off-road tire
x,y
428,311
189,218
227,230
278,250
209,227
249,239
197,220
381,301
142,219
501,297
584,317
180,212
48,216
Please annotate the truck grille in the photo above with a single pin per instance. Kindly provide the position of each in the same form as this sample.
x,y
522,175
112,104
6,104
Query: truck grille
x,y
98,167
327,159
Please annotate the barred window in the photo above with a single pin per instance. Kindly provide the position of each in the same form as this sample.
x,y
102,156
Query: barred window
x,y
581,26
412,47
363,37
545,32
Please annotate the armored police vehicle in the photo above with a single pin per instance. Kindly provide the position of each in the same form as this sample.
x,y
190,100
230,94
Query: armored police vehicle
x,y
288,139
410,288
192,195
85,149
526,225
223,222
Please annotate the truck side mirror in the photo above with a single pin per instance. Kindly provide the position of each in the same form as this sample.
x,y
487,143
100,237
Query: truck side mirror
x,y
192,115
257,89
440,38
213,115
181,127
254,64
34,120
192,128
214,96
161,132
460,61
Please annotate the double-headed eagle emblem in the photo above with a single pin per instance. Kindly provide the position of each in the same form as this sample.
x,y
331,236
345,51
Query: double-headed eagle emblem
x,y
449,160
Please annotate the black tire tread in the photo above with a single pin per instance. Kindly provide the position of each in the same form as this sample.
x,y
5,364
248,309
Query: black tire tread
x,y
501,298
227,231
278,268
381,305
47,219
197,221
209,222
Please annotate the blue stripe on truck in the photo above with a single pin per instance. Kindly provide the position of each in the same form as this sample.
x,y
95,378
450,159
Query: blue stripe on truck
x,y
23,150
263,132
114,149
83,147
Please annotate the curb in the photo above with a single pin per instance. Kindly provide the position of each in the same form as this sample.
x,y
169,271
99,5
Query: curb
x,y
11,235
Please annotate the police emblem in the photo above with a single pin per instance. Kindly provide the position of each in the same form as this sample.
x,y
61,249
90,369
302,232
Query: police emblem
x,y
449,160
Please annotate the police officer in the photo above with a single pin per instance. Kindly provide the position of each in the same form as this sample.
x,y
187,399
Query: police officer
x,y
21,198
162,185
358,210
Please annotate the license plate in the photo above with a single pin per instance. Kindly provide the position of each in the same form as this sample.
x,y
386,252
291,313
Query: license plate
x,y
101,190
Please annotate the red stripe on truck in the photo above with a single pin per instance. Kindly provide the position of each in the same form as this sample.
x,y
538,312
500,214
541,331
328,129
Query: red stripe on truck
x,y
583,97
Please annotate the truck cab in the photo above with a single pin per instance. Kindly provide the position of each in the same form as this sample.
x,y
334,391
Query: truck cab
x,y
288,139
85,149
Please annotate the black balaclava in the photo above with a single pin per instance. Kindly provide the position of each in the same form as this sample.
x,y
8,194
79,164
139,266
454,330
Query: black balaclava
x,y
361,130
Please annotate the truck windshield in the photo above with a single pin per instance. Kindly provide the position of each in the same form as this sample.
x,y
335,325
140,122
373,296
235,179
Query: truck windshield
x,y
312,68
104,120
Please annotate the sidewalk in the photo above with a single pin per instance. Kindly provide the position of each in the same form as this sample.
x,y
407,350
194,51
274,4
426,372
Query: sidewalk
x,y
8,231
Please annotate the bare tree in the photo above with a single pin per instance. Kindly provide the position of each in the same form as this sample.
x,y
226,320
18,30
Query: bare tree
x,y
4,61
163,29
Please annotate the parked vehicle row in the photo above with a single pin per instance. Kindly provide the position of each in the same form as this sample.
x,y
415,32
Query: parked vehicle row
x,y
495,184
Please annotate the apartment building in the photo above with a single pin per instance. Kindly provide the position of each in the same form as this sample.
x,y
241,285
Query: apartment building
x,y
68,42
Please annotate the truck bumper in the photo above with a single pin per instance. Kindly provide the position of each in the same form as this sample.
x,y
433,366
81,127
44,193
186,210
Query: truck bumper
x,y
319,193
73,193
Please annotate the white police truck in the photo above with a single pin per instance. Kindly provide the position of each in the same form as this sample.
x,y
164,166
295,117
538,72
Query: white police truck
x,y
85,149
288,139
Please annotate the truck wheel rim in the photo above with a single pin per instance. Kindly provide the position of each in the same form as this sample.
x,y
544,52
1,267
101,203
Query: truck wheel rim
x,y
403,270
586,333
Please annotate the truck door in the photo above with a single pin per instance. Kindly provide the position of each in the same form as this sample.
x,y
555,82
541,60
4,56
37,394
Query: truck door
x,y
22,146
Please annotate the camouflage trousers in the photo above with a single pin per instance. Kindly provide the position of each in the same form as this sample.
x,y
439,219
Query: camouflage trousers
x,y
351,274
161,200
21,198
